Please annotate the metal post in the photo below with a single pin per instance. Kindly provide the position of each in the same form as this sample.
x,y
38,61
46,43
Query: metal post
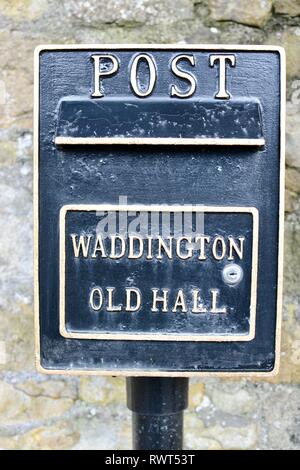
x,y
157,405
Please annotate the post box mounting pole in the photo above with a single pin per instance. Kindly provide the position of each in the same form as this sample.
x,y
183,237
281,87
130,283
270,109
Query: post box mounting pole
x,y
157,405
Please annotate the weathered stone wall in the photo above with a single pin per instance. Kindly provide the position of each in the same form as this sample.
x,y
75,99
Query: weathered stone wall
x,y
41,412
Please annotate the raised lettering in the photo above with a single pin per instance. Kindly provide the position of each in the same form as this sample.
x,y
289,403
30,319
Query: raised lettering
x,y
96,304
180,302
222,93
185,75
98,74
82,245
138,299
152,75
163,299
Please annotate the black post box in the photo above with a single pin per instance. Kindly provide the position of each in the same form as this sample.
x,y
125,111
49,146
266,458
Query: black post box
x,y
159,181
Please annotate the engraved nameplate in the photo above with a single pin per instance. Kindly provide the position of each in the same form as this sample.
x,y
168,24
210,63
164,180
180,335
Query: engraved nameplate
x,y
158,283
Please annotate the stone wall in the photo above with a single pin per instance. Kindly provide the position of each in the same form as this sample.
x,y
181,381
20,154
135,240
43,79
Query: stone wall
x,y
41,412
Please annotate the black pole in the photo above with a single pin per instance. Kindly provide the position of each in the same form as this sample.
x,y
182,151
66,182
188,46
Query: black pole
x,y
157,405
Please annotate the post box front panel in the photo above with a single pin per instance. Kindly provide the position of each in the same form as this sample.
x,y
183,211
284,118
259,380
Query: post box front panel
x,y
148,299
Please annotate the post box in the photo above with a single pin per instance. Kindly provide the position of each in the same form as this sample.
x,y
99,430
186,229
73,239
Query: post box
x,y
159,181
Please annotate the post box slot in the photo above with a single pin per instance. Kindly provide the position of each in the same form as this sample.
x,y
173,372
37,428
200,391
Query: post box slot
x,y
156,121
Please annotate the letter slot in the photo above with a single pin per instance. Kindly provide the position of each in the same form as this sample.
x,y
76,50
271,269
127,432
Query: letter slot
x,y
156,121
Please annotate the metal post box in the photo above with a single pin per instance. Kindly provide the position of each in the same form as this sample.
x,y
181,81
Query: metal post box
x,y
159,209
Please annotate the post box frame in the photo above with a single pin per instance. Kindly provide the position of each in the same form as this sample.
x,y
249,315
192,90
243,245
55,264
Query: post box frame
x,y
180,47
